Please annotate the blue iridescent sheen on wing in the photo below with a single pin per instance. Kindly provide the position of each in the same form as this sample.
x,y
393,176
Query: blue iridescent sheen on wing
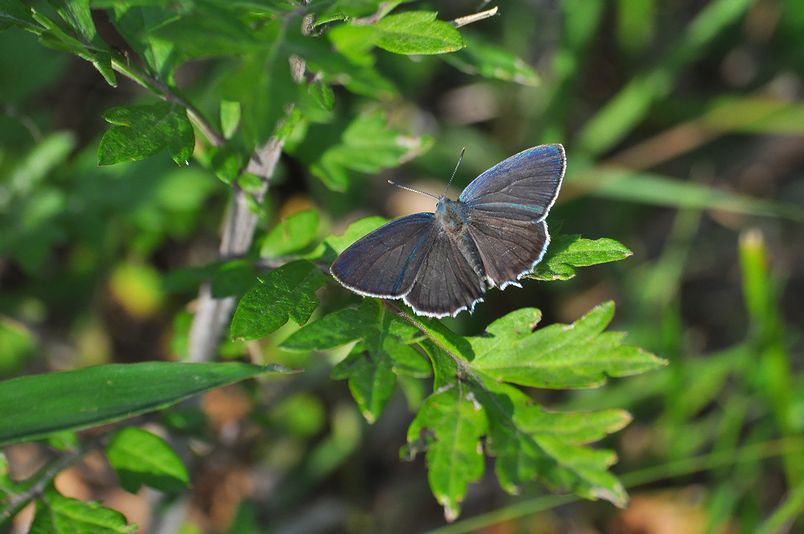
x,y
524,185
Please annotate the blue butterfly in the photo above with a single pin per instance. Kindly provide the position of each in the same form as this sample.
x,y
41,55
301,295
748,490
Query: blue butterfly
x,y
441,263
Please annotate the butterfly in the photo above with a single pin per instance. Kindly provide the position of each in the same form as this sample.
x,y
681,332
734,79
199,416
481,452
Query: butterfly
x,y
441,263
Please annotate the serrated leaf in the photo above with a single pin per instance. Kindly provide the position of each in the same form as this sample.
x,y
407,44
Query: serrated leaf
x,y
292,234
566,252
490,61
140,457
452,423
417,32
560,356
521,456
382,351
57,514
35,406
138,132
284,293
368,145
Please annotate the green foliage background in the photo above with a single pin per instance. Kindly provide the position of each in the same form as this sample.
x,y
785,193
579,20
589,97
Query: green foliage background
x,y
133,135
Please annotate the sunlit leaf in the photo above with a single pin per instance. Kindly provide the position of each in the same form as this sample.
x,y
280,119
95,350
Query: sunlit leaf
x,y
140,457
566,252
335,244
284,293
417,32
368,145
138,132
559,356
292,234
490,61
451,422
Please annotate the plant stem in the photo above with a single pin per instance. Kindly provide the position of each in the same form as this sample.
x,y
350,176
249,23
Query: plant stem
x,y
212,314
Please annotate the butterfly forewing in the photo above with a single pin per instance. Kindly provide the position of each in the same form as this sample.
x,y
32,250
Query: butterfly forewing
x,y
524,186
385,262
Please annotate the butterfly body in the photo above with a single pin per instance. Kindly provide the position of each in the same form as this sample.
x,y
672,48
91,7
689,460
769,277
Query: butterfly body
x,y
441,263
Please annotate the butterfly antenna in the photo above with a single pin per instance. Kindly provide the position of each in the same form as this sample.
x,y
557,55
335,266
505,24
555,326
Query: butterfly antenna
x,y
411,189
460,158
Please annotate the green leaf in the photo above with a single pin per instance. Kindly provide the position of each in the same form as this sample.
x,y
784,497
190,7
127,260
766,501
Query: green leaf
x,y
558,356
142,131
77,14
292,234
261,81
35,406
417,32
135,24
350,9
57,514
140,457
412,32
522,455
210,30
452,423
335,244
284,293
16,345
336,69
382,353
490,61
566,252
13,12
230,117
368,145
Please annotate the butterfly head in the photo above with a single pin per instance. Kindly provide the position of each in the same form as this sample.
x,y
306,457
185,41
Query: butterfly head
x,y
450,213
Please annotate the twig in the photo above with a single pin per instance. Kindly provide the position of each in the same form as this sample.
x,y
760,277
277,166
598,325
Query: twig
x,y
475,17
212,314
38,483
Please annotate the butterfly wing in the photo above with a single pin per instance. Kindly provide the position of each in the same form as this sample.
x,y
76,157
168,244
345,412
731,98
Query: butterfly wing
x,y
447,283
506,208
509,247
385,262
523,186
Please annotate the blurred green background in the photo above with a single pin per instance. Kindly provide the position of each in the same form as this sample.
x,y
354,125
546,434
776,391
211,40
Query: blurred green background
x,y
684,125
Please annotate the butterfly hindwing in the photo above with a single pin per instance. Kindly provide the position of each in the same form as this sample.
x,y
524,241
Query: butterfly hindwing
x,y
447,283
509,248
